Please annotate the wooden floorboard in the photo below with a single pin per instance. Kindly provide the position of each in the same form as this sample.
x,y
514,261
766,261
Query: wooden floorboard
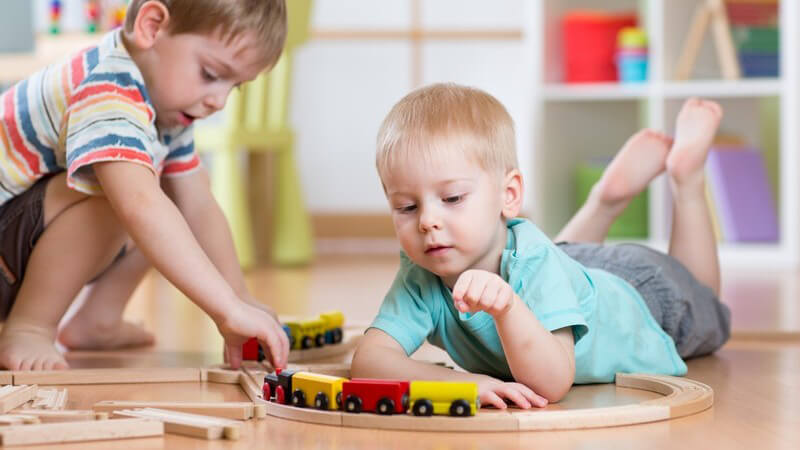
x,y
756,381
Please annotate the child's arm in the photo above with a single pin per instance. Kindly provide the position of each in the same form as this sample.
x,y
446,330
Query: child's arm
x,y
192,195
539,359
380,356
166,239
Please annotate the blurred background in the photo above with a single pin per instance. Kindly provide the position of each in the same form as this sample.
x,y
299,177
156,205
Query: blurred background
x,y
292,156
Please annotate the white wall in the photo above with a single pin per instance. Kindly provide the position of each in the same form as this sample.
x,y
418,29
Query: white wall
x,y
343,89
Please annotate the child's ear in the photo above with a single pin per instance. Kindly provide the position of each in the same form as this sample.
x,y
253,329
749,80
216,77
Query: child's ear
x,y
152,19
512,194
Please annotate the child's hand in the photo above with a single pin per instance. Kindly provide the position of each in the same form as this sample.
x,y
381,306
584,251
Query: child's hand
x,y
479,290
494,392
246,321
255,302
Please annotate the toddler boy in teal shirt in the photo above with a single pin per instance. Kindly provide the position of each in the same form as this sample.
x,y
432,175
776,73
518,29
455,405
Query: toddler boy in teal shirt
x,y
524,316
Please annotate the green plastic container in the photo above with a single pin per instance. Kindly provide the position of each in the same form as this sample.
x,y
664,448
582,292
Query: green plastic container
x,y
632,223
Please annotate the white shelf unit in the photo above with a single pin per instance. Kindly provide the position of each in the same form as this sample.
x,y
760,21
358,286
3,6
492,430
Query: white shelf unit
x,y
575,122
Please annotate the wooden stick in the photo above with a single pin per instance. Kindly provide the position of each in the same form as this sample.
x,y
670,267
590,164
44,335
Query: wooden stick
x,y
61,400
222,376
726,52
107,376
45,399
230,410
196,425
13,396
254,392
250,386
693,41
80,431
74,415
18,419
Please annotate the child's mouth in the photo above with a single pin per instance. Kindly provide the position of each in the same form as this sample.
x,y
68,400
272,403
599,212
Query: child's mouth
x,y
186,119
436,250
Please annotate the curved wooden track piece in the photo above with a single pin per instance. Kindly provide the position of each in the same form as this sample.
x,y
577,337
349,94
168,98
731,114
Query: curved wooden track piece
x,y
351,338
681,397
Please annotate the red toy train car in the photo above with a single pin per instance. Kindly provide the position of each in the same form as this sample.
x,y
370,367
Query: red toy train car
x,y
379,396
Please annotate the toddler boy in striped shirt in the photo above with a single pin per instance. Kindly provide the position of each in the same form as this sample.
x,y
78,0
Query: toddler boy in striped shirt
x,y
99,180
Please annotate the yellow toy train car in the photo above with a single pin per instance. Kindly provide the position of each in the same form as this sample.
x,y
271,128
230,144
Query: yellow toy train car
x,y
325,391
317,331
443,397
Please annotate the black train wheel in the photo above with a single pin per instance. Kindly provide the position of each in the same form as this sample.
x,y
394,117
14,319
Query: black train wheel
x,y
353,404
321,401
385,406
299,398
306,342
423,407
459,408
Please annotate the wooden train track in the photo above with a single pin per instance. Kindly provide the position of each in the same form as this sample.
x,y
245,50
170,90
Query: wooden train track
x,y
681,397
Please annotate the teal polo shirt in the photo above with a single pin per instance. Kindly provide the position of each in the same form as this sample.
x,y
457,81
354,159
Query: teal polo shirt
x,y
612,326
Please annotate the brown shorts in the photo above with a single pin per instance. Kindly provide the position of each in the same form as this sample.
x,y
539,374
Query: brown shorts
x,y
21,225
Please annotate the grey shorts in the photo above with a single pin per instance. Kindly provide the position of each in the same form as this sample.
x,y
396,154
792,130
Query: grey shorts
x,y
686,309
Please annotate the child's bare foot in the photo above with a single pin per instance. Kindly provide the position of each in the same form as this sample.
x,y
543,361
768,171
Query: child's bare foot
x,y
640,160
79,334
695,128
29,348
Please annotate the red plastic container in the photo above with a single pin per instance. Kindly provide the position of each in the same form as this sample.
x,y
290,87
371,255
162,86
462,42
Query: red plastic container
x,y
590,44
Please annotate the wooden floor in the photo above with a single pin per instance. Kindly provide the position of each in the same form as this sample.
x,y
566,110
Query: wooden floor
x,y
756,377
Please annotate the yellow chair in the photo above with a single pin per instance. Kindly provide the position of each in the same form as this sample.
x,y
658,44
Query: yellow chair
x,y
256,120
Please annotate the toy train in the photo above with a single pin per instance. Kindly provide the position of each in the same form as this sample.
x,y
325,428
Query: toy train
x,y
325,392
303,334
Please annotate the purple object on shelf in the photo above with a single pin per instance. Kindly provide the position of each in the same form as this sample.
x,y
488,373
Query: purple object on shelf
x,y
742,195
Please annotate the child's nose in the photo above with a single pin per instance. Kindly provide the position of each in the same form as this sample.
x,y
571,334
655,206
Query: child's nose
x,y
429,220
215,101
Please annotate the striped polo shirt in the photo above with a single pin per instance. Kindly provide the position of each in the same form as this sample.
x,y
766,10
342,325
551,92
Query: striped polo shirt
x,y
91,107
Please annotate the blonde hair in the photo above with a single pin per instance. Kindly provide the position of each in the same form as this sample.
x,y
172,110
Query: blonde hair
x,y
448,117
266,18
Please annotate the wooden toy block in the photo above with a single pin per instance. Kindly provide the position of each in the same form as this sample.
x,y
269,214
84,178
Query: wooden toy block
x,y
107,376
6,377
230,410
222,376
13,396
18,419
52,433
195,425
73,415
52,399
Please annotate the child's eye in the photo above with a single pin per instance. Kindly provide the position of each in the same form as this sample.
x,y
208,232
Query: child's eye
x,y
208,76
453,199
406,209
